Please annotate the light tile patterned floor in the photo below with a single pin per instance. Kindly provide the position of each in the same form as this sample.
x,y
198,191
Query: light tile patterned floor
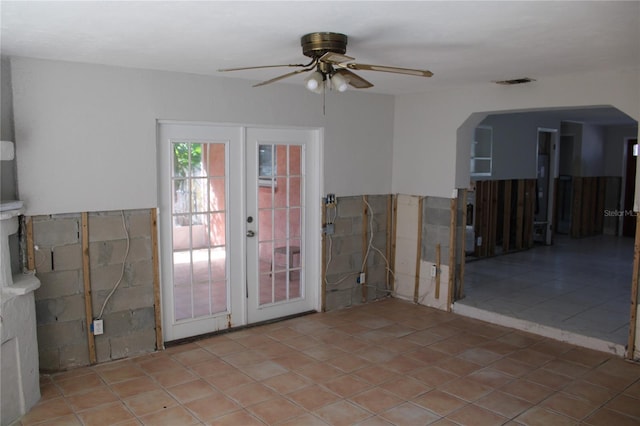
x,y
580,285
386,363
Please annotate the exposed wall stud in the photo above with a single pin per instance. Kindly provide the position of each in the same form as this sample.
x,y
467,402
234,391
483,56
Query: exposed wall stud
x,y
365,245
31,258
438,262
463,245
520,215
416,286
493,217
529,213
156,279
506,217
452,251
394,231
86,278
388,241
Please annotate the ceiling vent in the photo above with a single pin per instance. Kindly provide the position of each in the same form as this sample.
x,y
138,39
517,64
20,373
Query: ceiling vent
x,y
515,81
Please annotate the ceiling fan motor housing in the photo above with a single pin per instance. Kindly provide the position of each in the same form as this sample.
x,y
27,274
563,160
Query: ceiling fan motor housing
x,y
314,45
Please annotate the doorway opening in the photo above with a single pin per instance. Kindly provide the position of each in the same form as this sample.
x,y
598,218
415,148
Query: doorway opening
x,y
571,274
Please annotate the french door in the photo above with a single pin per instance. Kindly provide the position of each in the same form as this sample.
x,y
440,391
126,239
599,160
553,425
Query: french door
x,y
236,205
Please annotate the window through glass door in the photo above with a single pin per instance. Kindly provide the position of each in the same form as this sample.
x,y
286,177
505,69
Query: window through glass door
x,y
199,229
280,209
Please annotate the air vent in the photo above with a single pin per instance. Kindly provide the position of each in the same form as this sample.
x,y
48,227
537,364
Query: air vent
x,y
515,81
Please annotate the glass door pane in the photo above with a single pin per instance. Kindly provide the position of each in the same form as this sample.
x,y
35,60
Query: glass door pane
x,y
199,229
279,229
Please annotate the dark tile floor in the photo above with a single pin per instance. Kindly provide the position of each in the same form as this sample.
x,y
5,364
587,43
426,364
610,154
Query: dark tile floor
x,y
386,363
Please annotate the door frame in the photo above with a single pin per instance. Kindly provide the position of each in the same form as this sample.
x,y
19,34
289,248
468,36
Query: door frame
x,y
624,187
554,166
313,229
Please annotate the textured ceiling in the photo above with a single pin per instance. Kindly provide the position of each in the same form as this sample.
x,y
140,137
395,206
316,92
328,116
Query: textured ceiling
x,y
461,42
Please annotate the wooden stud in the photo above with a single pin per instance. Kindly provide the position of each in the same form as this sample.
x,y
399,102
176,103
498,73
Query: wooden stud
x,y
31,253
86,278
576,207
520,214
416,286
484,224
387,277
506,217
477,219
489,220
463,244
438,263
365,245
602,192
593,206
452,251
493,218
394,231
156,279
323,289
554,223
529,212
634,292
585,219
483,217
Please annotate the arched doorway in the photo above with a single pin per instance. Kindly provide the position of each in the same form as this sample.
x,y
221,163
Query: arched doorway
x,y
547,289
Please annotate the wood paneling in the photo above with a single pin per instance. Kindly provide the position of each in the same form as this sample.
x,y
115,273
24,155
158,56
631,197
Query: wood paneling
x,y
588,205
504,214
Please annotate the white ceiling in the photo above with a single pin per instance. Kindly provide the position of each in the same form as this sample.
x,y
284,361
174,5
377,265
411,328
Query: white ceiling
x,y
460,42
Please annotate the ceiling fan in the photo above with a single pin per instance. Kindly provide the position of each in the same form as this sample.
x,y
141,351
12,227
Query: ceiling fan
x,y
331,67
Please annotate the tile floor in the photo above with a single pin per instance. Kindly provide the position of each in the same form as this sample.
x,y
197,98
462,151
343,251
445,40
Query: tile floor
x,y
580,285
386,363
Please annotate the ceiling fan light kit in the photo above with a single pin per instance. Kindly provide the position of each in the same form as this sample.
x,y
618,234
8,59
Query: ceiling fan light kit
x,y
314,81
330,67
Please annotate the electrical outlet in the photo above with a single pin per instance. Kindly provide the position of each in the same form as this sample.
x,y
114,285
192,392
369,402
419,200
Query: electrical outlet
x,y
434,271
98,327
479,242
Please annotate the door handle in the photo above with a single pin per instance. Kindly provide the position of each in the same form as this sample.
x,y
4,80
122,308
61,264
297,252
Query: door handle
x,y
251,233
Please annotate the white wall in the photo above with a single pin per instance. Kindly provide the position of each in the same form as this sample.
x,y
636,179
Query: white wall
x,y
515,144
571,157
431,145
592,150
86,134
8,188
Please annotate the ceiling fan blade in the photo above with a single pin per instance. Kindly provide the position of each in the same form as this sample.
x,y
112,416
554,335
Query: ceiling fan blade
x,y
354,79
282,77
395,70
335,58
265,66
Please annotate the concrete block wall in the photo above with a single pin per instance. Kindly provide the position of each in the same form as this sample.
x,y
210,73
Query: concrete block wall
x,y
435,220
129,325
345,252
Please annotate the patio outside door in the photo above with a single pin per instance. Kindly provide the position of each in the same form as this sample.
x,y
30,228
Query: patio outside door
x,y
233,218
